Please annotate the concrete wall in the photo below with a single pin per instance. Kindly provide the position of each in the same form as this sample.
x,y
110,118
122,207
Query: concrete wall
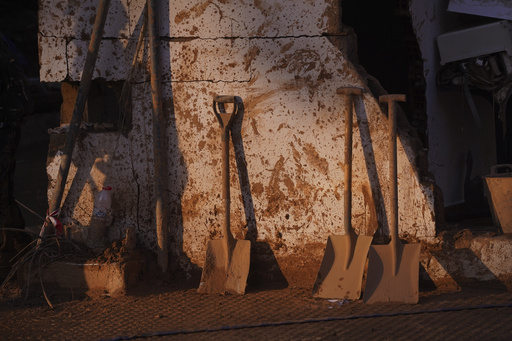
x,y
288,146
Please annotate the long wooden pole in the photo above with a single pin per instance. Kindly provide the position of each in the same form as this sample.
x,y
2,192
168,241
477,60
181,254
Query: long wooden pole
x,y
159,155
78,111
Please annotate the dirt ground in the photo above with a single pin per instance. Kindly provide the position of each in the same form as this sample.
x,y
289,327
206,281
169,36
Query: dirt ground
x,y
173,309
278,303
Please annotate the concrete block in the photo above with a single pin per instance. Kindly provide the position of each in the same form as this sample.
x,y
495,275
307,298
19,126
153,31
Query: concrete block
x,y
75,19
287,18
468,259
53,59
112,278
206,60
113,63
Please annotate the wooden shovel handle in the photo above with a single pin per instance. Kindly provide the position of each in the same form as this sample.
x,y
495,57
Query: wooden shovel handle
x,y
393,219
224,99
349,90
225,120
349,93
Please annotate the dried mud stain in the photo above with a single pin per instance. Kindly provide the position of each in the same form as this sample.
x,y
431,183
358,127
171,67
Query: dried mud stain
x,y
307,66
296,199
191,207
197,11
268,11
297,62
257,189
275,196
332,13
254,51
252,104
314,159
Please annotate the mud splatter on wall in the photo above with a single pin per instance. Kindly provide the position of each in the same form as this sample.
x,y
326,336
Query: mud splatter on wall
x,y
287,151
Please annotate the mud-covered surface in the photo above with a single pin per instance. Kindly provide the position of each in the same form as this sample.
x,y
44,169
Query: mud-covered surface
x,y
168,309
287,149
278,303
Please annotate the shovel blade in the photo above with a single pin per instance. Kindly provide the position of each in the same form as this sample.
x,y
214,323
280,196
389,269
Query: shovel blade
x,y
341,271
383,284
224,272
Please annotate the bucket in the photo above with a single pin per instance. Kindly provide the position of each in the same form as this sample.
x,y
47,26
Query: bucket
x,y
498,187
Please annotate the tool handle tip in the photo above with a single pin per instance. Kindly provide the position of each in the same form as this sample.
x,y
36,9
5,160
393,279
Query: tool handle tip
x,y
224,99
350,90
392,98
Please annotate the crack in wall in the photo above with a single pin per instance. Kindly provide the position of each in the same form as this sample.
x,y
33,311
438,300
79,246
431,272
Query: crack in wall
x,y
191,38
168,39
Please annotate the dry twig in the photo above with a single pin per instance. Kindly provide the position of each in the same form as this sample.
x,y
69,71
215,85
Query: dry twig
x,y
33,256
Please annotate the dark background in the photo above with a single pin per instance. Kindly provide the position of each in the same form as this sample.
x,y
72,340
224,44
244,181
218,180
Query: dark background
x,y
19,23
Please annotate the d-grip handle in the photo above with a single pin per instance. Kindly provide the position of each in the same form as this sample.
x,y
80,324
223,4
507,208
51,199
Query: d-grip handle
x,y
224,99
225,119
495,169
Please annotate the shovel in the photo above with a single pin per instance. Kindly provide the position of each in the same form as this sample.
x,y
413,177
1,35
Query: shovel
x,y
393,269
227,260
341,271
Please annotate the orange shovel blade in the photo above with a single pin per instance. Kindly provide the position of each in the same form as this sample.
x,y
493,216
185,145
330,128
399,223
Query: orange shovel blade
x,y
341,271
224,273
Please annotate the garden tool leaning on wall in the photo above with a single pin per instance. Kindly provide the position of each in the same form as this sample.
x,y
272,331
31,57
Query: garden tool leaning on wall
x,y
393,269
160,184
76,119
159,142
226,266
341,270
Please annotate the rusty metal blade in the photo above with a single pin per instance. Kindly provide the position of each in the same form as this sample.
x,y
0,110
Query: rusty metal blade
x,y
383,285
225,271
341,271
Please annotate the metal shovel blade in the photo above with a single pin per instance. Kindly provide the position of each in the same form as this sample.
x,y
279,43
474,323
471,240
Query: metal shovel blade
x,y
342,268
384,283
224,271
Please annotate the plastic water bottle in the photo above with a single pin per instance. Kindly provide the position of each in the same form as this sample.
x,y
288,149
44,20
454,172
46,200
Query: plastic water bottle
x,y
100,215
